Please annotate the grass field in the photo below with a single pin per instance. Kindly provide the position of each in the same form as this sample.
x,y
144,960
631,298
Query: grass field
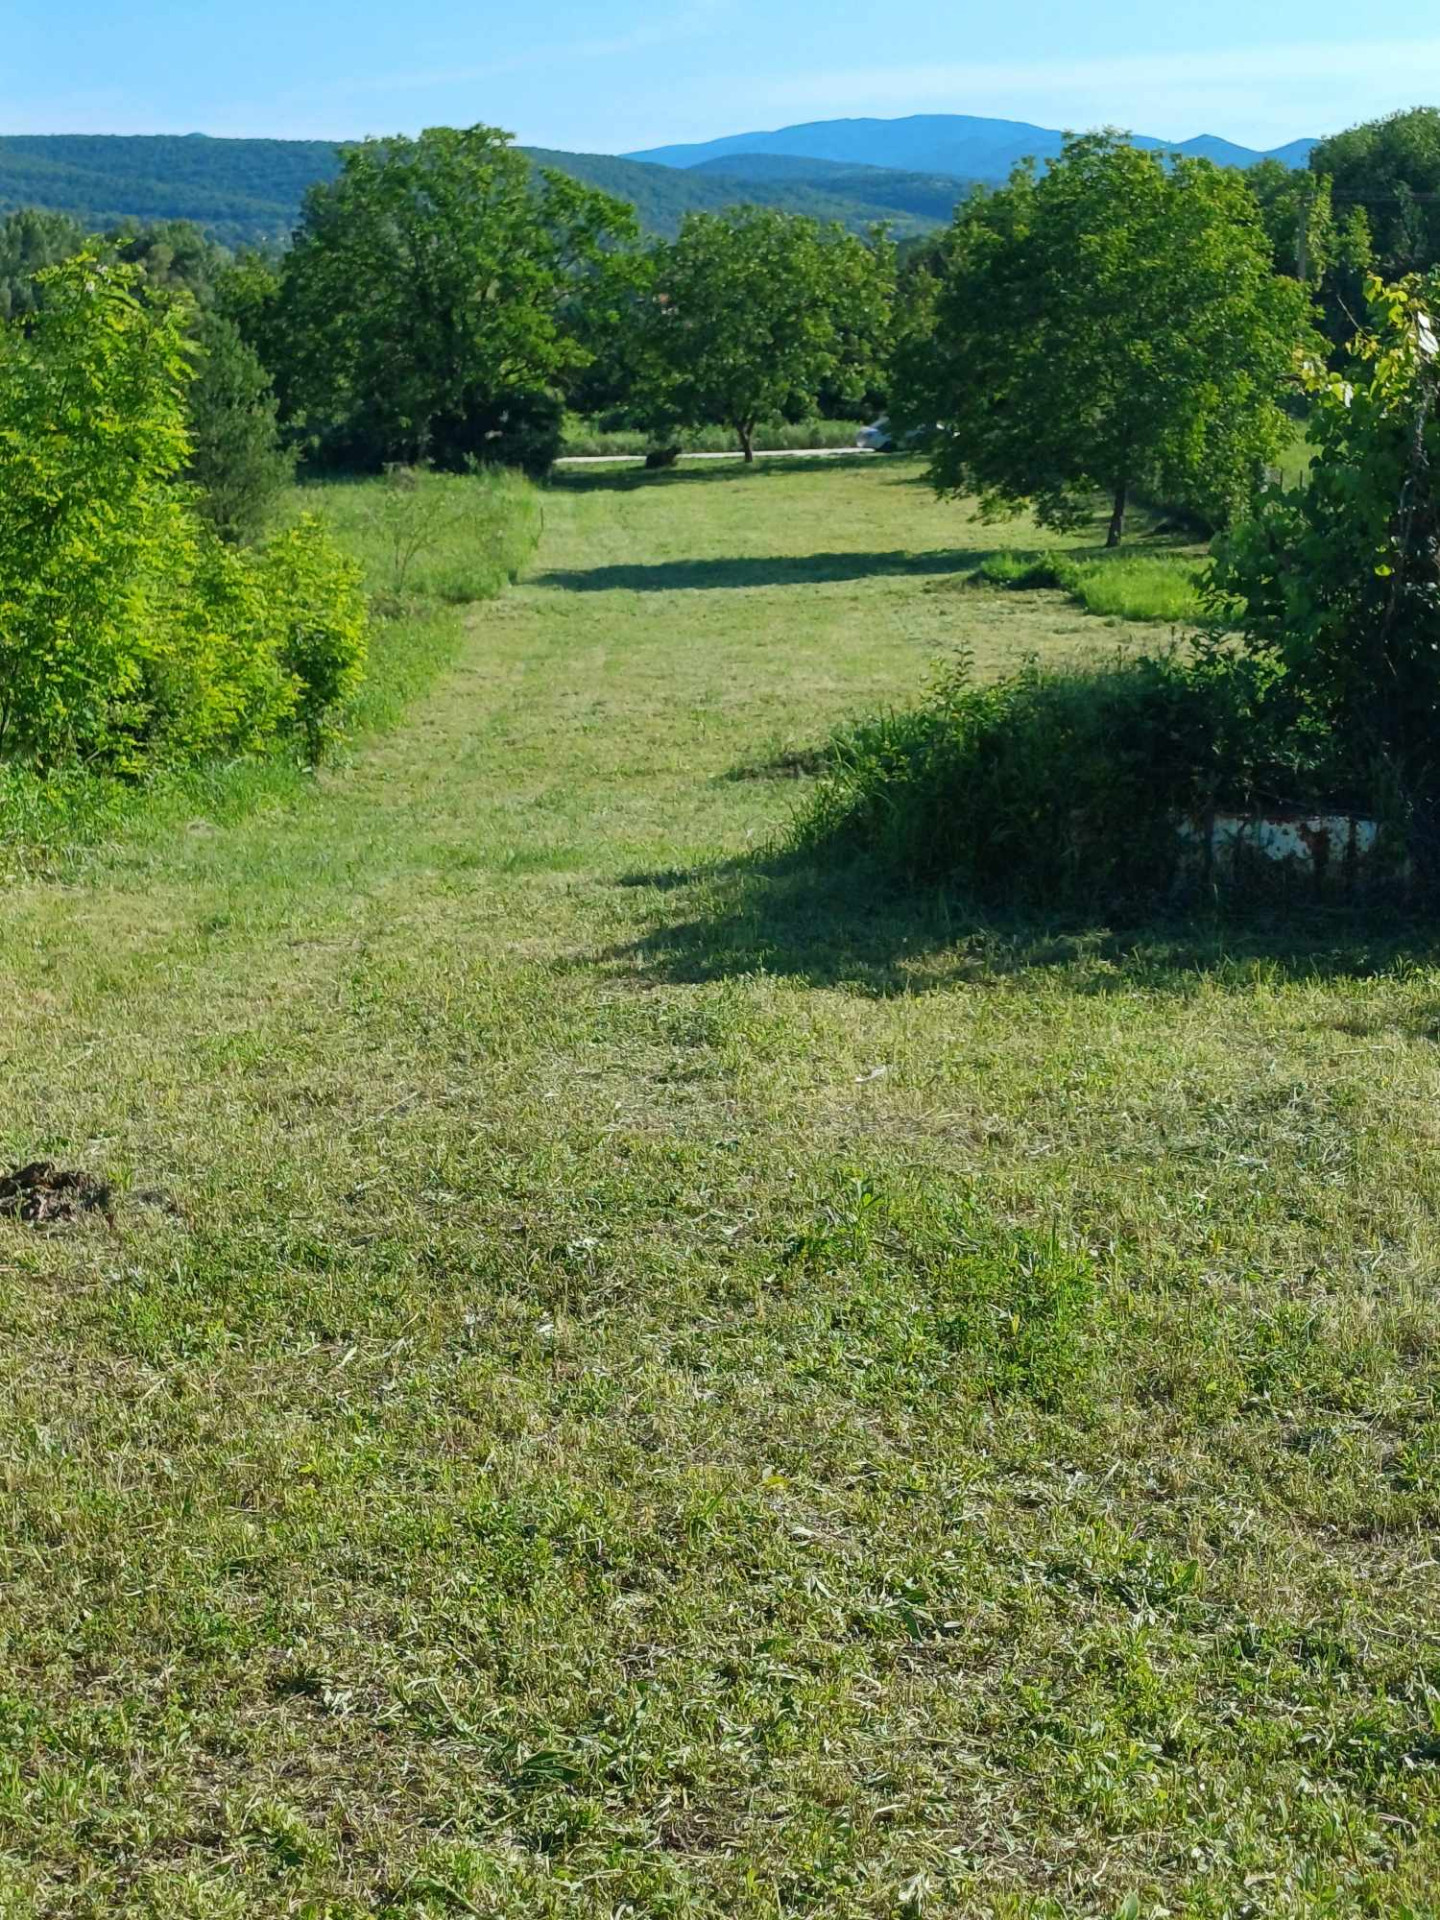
x,y
633,1376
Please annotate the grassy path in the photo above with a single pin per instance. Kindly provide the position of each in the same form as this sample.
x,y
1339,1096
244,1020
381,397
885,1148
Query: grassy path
x,y
655,1381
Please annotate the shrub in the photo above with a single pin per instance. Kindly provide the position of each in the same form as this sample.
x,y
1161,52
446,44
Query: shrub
x,y
1059,789
128,634
91,434
315,610
212,679
1335,580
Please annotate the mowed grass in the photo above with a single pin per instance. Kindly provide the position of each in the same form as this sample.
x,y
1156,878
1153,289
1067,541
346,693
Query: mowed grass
x,y
635,1376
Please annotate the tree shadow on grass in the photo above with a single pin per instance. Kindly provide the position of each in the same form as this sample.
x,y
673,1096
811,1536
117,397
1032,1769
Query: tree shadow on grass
x,y
763,570
841,924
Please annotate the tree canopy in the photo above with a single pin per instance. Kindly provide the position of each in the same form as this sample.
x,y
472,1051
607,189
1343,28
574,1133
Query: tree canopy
x,y
31,240
1390,170
1113,324
751,314
424,303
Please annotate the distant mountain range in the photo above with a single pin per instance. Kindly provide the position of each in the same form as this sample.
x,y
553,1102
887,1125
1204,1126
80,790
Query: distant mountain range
x,y
957,144
858,197
859,172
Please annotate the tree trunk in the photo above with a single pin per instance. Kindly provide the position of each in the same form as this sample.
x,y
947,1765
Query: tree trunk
x,y
747,442
1117,518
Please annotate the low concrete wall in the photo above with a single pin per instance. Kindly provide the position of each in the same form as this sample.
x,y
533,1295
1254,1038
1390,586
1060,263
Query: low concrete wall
x,y
1319,852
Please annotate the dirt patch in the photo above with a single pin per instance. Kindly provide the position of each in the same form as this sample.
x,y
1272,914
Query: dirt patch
x,y
43,1194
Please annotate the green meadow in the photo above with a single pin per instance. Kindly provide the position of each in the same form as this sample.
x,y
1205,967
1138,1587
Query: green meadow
x,y
638,1372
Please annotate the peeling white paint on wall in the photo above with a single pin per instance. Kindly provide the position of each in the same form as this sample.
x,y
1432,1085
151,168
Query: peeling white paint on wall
x,y
1311,846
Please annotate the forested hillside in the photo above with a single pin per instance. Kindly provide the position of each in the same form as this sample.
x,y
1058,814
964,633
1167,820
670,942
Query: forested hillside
x,y
248,192
897,195
909,173
856,197
239,191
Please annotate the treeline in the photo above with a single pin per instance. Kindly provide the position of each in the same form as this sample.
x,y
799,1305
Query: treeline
x,y
444,301
1120,323
240,192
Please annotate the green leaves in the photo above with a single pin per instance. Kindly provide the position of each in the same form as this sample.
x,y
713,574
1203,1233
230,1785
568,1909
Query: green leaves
x,y
1391,169
752,313
1337,578
1112,325
128,633
91,434
429,292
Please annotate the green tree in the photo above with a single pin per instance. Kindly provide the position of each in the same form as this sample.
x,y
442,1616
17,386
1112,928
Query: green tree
x,y
1390,170
31,240
128,632
426,306
174,256
1327,248
92,431
1109,326
1334,584
236,458
751,314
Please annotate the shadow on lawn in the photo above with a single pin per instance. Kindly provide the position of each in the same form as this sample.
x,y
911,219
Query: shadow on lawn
x,y
841,924
762,570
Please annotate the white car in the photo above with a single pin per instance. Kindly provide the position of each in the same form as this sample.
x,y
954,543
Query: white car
x,y
876,439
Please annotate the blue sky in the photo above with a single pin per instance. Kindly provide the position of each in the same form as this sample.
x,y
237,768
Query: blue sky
x,y
635,73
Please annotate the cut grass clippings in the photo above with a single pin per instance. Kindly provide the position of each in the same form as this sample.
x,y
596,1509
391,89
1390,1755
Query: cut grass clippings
x,y
687,1381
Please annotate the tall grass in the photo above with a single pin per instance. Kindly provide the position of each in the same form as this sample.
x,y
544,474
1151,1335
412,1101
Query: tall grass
x,y
1123,586
1048,788
426,537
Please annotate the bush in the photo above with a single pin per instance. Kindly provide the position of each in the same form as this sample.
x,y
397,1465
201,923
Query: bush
x,y
212,679
1056,789
1334,581
315,612
128,634
91,435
